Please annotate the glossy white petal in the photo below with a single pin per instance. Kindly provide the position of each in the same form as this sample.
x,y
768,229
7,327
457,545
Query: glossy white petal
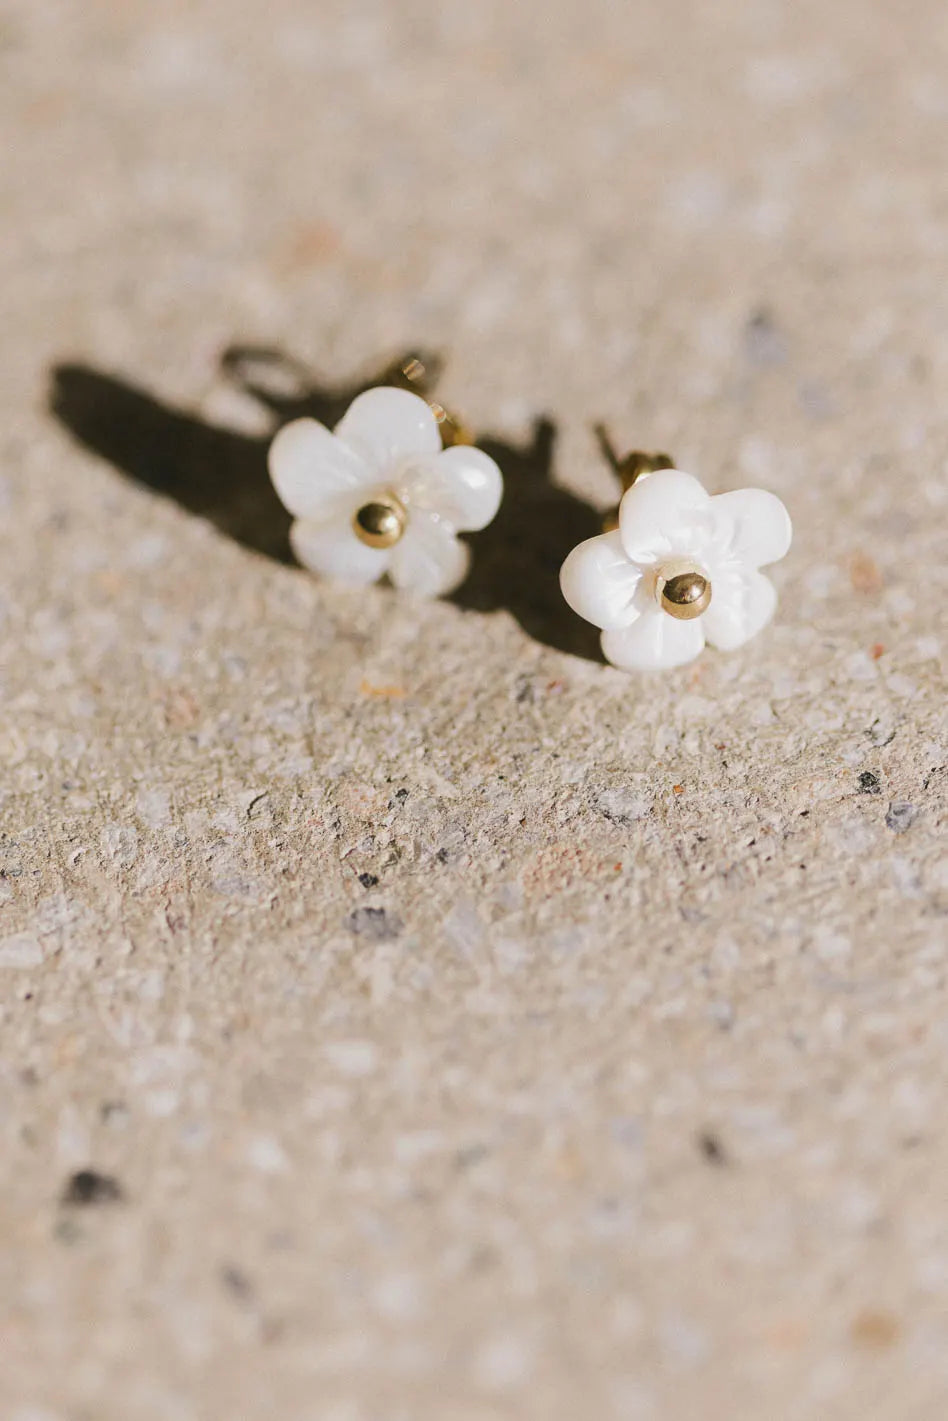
x,y
753,526
385,425
600,583
665,513
462,485
429,561
312,471
656,642
740,606
333,550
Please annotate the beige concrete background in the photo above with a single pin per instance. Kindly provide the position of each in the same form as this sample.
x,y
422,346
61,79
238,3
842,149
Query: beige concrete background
x,y
456,1029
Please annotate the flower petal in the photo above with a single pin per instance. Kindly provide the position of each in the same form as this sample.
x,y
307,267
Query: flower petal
x,y
665,513
333,550
655,642
740,607
600,583
430,560
462,485
754,524
311,469
386,425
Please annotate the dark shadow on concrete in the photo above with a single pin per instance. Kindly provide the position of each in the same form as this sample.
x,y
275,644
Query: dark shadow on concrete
x,y
517,558
221,475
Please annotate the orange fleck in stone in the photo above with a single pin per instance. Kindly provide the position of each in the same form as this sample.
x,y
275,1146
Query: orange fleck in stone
x,y
391,693
876,650
179,708
786,1334
678,789
864,574
311,245
873,1327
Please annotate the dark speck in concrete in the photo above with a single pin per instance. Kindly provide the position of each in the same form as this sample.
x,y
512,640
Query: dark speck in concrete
x,y
712,1149
470,1155
869,783
764,342
236,1282
369,880
87,1186
114,1113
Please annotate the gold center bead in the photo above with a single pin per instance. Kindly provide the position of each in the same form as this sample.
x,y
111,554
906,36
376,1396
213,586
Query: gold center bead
x,y
381,523
685,595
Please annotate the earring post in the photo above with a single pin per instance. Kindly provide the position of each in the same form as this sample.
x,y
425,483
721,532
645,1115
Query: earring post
x,y
414,372
631,467
628,469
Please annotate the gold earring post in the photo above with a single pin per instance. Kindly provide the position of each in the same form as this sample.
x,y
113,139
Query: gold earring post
x,y
628,469
415,375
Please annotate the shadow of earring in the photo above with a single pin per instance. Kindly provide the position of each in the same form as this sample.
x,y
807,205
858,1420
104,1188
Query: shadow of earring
x,y
221,474
517,559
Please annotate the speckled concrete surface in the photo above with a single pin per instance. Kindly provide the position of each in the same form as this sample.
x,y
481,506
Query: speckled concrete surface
x,y
406,1017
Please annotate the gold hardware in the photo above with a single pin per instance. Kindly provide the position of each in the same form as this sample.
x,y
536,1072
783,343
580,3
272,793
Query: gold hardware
x,y
637,464
415,375
380,523
683,595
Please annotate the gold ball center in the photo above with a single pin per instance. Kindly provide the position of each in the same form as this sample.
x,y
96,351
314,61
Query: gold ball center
x,y
685,595
381,523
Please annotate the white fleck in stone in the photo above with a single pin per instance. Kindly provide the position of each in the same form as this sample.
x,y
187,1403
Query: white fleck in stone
x,y
120,844
859,666
511,955
623,806
902,686
154,807
418,1145
397,1297
833,1021
856,837
21,950
267,1154
73,1144
831,946
463,927
503,1362
684,1342
698,198
352,1058
151,985
148,551
162,1103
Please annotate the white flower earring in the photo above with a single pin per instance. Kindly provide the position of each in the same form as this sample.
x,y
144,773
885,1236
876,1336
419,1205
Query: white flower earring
x,y
676,567
387,491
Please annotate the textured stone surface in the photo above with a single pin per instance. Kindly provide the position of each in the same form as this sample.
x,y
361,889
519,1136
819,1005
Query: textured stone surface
x,y
404,1015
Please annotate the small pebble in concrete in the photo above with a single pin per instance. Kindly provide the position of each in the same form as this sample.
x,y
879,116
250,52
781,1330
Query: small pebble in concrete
x,y
374,923
87,1186
901,816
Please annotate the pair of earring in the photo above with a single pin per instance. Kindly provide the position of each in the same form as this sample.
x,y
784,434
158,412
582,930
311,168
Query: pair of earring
x,y
391,488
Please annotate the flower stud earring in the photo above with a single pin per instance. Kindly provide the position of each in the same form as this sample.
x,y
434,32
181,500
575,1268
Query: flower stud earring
x,y
676,567
387,491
